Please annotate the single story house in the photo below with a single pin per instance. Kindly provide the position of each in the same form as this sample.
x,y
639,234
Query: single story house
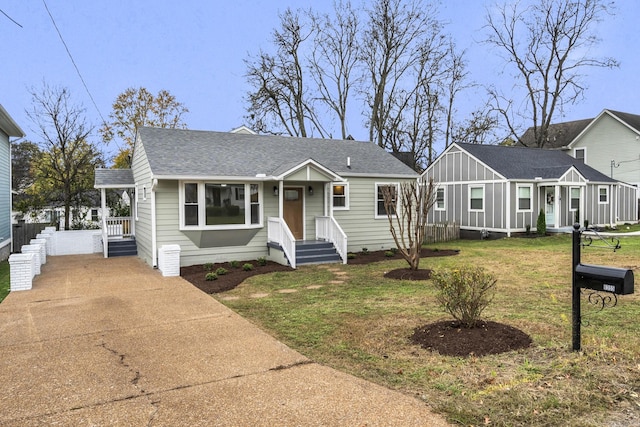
x,y
8,128
609,143
501,190
224,196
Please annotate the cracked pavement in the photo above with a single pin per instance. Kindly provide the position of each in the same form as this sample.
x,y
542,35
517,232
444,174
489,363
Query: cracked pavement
x,y
113,342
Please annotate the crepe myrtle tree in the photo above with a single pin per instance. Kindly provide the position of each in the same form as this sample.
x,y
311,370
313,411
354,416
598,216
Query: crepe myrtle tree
x,y
407,207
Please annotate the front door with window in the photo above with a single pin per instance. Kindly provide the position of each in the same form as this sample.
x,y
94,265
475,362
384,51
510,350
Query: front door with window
x,y
293,211
550,205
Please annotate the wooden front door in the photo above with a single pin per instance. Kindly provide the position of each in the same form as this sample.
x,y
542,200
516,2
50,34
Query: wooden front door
x,y
293,211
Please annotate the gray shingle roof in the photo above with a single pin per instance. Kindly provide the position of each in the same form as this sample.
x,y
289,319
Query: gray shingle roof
x,y
529,163
191,153
113,178
559,135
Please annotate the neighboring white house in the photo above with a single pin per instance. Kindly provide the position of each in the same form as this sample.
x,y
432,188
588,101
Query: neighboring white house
x,y
8,128
498,189
609,143
225,196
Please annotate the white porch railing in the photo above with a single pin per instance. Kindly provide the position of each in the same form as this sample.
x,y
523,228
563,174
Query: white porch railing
x,y
118,227
327,228
278,232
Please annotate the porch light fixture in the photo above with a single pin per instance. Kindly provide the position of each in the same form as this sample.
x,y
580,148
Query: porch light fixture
x,y
275,190
310,190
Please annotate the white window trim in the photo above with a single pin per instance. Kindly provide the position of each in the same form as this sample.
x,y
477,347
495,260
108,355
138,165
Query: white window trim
x,y
579,197
346,196
483,198
202,207
375,198
444,199
518,187
606,188
585,153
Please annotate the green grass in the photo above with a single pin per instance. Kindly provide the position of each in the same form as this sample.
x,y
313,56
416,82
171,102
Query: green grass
x,y
626,228
5,284
362,326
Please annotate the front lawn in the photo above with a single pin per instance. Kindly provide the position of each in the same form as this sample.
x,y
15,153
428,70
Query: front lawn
x,y
354,319
5,284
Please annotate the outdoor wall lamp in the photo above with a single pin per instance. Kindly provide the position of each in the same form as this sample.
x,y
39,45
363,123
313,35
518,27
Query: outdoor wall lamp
x,y
275,190
310,190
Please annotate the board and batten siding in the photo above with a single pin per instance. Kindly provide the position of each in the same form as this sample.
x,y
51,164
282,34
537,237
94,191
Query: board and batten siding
x,y
456,172
627,206
598,140
142,178
359,222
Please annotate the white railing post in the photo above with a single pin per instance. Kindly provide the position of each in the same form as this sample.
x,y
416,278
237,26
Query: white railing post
x,y
278,232
327,228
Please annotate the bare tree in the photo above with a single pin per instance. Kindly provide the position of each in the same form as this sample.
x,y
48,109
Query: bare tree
x,y
137,107
335,57
65,167
279,101
408,221
480,128
549,44
390,51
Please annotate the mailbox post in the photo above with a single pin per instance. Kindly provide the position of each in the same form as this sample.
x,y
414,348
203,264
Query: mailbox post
x,y
616,281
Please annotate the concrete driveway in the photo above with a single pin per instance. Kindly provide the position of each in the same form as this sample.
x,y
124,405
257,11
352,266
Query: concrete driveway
x,y
100,342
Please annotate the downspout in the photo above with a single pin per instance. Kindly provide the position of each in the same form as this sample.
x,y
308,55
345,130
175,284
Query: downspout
x,y
508,209
154,255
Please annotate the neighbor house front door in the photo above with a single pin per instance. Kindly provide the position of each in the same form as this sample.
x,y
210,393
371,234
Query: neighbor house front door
x,y
550,206
293,211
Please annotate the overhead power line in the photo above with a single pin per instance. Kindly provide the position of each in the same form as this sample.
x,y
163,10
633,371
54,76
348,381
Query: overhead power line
x,y
10,18
73,62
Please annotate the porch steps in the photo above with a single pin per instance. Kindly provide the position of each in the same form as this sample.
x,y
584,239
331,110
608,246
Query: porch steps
x,y
316,252
122,247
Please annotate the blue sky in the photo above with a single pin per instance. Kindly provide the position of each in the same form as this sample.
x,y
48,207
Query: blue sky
x,y
195,49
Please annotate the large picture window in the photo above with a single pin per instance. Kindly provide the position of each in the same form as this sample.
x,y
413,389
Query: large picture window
x,y
220,205
476,198
524,197
381,210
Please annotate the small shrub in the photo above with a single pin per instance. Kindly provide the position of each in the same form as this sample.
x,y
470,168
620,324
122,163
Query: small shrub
x,y
389,254
221,271
528,229
394,250
542,223
262,261
586,223
211,276
208,266
365,251
464,293
351,255
247,267
234,264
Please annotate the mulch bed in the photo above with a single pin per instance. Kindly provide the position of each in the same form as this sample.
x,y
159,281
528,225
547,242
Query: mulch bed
x,y
450,339
196,275
445,337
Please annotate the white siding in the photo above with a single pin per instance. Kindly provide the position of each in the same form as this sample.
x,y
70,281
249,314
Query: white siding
x,y
607,139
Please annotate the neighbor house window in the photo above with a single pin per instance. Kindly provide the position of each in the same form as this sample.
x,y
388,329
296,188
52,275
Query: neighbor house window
x,y
524,198
580,154
392,191
603,195
94,215
440,206
340,196
575,198
220,205
476,198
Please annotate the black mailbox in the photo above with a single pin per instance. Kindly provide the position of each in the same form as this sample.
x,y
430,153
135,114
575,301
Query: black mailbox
x,y
609,279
